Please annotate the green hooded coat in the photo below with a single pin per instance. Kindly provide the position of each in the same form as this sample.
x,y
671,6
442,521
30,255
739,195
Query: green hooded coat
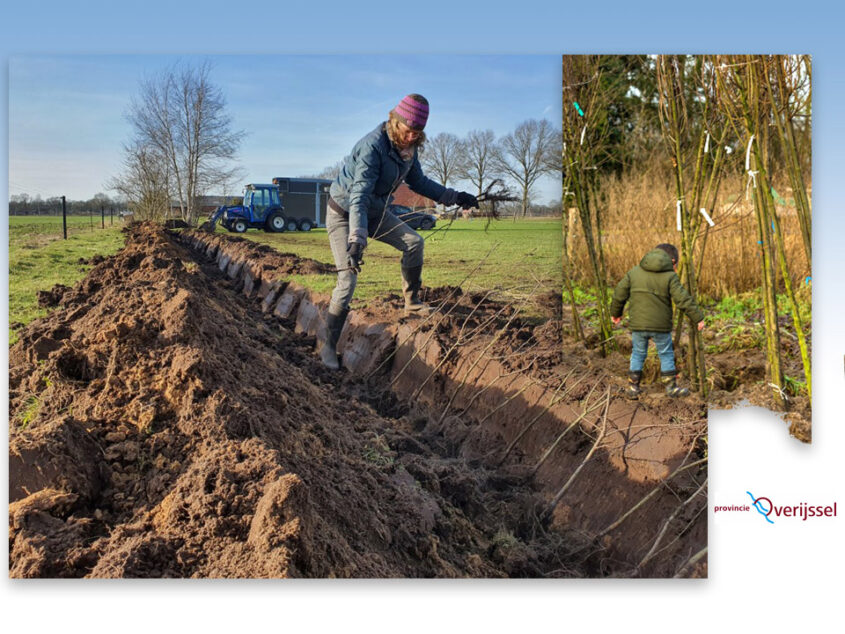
x,y
650,288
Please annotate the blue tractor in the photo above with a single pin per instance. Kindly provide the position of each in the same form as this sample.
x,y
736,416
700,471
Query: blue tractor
x,y
261,209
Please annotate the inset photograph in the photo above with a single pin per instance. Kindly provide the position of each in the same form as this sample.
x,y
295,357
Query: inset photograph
x,y
687,252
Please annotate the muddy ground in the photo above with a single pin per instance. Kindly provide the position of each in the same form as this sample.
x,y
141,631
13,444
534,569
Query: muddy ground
x,y
165,423
735,376
739,376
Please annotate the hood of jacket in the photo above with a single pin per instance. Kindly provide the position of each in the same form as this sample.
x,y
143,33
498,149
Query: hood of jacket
x,y
656,261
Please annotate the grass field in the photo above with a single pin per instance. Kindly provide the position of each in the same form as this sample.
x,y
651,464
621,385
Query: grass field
x,y
39,259
515,259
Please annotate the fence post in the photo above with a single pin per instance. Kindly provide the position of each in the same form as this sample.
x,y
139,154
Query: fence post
x,y
64,218
102,217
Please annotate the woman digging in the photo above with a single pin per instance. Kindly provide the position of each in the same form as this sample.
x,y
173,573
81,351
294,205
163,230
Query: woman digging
x,y
358,209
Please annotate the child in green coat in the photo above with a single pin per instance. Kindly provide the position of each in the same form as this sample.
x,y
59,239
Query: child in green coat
x,y
649,289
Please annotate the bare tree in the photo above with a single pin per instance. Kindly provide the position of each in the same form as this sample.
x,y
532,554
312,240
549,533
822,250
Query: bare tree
x,y
443,157
523,155
479,166
181,116
144,182
553,157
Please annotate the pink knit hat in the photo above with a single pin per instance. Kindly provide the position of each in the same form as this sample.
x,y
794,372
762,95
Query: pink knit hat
x,y
412,111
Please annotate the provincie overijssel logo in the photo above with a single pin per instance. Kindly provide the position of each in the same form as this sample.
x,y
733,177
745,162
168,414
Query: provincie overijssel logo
x,y
770,511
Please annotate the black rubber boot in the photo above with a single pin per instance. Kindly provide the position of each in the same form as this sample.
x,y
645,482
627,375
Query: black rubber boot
x,y
412,282
334,326
672,389
634,390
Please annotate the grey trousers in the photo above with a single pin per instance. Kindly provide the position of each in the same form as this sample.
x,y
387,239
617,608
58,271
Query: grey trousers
x,y
388,229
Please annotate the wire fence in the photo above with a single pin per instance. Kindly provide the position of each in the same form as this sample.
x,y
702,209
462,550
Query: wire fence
x,y
51,225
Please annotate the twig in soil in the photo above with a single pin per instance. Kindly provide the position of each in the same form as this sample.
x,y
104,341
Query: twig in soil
x,y
683,530
457,344
586,410
477,360
412,334
554,400
478,392
446,356
528,384
690,562
665,527
649,495
520,350
481,391
436,311
559,495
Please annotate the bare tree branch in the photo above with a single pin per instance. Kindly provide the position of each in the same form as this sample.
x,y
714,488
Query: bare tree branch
x,y
523,155
179,117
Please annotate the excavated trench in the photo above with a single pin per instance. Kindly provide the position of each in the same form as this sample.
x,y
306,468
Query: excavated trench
x,y
170,419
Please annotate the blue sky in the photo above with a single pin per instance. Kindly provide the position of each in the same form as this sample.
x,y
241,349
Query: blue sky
x,y
299,113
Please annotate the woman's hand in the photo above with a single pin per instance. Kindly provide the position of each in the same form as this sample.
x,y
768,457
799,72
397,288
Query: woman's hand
x,y
355,256
467,201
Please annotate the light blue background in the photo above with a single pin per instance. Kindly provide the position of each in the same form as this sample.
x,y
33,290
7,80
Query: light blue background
x,y
796,585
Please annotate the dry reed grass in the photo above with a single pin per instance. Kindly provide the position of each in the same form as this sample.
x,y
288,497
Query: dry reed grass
x,y
639,213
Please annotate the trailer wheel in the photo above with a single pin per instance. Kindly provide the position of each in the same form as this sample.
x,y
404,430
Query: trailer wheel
x,y
291,225
305,224
239,226
275,223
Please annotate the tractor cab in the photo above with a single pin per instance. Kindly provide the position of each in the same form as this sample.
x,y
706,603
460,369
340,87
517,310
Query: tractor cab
x,y
261,209
261,200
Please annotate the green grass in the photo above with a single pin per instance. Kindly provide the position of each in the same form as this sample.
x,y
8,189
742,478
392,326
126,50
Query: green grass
x,y
44,229
736,306
524,258
522,255
39,259
29,413
741,307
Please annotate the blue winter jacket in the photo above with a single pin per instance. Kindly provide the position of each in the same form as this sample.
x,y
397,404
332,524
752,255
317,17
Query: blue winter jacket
x,y
370,175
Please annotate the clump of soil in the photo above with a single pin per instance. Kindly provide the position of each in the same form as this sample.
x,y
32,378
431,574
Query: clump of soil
x,y
162,426
53,297
176,223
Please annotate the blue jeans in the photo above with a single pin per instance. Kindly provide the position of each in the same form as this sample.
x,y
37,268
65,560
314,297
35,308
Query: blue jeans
x,y
663,343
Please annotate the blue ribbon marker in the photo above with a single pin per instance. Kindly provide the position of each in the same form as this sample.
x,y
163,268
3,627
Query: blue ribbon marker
x,y
808,280
578,109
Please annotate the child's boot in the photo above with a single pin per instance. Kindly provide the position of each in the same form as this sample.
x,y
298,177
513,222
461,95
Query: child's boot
x,y
672,388
634,390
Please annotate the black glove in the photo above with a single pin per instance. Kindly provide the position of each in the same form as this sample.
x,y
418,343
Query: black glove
x,y
467,201
355,256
